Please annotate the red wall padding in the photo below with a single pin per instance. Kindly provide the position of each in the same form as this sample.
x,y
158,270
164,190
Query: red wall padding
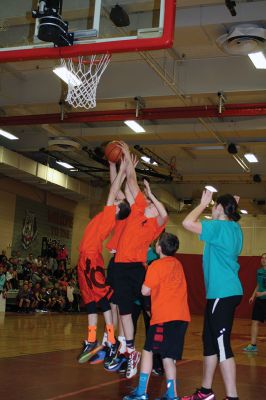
x,y
192,264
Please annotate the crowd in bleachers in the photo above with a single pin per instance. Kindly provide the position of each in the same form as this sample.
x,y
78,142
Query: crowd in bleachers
x,y
41,284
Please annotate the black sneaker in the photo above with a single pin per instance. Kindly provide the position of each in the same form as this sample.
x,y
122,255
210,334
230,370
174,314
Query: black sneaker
x,y
158,371
116,363
111,353
89,349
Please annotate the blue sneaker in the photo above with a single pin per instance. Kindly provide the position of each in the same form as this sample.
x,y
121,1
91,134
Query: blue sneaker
x,y
135,396
116,363
250,348
98,357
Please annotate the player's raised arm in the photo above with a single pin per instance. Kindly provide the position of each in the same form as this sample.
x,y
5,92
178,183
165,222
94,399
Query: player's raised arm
x,y
116,184
130,171
113,175
191,222
162,217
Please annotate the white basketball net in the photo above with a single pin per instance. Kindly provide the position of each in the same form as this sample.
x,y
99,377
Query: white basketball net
x,y
83,77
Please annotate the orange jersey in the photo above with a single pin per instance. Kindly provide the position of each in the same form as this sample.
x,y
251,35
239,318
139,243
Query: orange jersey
x,y
112,243
166,279
97,231
138,233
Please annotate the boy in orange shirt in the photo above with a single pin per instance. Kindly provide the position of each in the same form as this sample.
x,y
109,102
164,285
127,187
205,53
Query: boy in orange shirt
x,y
144,224
165,282
94,290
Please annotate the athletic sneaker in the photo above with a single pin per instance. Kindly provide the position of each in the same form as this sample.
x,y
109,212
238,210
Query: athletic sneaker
x,y
116,364
134,396
158,371
132,364
111,353
89,349
98,357
198,395
250,348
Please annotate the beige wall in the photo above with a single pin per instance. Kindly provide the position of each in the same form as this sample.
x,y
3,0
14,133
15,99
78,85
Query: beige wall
x,y
254,231
254,228
7,215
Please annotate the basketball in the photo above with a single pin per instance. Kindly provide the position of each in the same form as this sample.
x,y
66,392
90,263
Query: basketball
x,y
113,152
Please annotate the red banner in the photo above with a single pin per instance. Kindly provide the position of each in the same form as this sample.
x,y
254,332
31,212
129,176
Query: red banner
x,y
192,264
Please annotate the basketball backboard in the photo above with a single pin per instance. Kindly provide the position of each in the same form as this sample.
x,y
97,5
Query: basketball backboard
x,y
151,27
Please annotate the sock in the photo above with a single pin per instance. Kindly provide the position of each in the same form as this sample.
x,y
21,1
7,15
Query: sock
x,y
205,391
130,345
123,345
143,383
92,333
110,333
171,388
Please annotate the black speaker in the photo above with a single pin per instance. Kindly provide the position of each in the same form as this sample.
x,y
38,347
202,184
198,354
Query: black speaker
x,y
232,148
119,16
257,178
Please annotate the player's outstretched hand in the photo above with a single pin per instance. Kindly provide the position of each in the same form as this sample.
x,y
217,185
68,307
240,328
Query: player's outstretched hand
x,y
125,149
134,159
206,197
147,187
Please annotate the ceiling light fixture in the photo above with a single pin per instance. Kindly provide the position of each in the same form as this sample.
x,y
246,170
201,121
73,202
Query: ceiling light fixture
x,y
134,126
67,76
251,157
258,59
207,217
243,211
211,189
65,164
8,135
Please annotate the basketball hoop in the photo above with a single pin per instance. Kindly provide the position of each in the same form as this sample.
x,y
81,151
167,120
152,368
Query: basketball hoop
x,y
83,76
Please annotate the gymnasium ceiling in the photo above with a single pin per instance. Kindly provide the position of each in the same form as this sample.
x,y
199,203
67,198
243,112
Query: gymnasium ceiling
x,y
190,144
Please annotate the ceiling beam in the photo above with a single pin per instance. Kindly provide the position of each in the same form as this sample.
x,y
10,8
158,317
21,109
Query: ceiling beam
x,y
231,110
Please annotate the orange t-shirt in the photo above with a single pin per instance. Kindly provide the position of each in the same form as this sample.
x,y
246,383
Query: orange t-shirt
x,y
138,233
97,231
112,243
166,279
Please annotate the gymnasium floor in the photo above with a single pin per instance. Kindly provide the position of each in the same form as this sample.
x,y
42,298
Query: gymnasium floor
x,y
38,361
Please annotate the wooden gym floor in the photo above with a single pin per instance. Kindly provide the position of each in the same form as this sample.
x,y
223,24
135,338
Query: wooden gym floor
x,y
38,361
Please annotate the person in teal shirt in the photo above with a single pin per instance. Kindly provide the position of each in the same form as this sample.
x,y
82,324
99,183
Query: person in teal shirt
x,y
259,309
223,241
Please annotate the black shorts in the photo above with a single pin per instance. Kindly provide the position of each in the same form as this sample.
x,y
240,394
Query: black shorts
x,y
128,279
218,322
259,310
167,339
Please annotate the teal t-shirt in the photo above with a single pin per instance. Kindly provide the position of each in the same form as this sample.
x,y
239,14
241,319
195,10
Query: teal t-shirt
x,y
223,244
261,281
152,255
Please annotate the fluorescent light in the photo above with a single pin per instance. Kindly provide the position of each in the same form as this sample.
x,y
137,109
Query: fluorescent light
x,y
251,157
243,211
258,60
207,217
65,165
148,160
211,189
134,126
67,76
8,135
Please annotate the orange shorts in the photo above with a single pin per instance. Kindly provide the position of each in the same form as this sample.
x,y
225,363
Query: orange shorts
x,y
91,278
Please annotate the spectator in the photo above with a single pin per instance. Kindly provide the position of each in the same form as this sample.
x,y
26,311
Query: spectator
x,y
23,298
